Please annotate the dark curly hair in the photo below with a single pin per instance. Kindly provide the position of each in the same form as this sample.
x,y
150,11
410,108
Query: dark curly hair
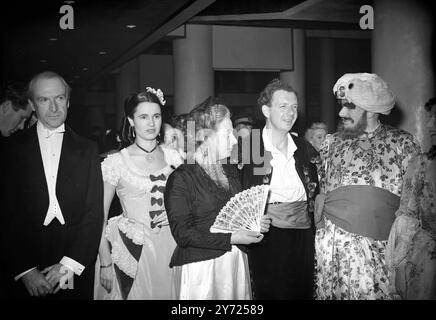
x,y
16,94
274,85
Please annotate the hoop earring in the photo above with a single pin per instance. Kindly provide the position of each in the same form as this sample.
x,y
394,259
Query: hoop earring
x,y
132,132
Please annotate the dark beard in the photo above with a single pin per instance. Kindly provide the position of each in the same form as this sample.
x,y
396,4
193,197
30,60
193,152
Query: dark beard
x,y
352,133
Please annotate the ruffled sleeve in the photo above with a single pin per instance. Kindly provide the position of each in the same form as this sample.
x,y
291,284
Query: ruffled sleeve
x,y
110,168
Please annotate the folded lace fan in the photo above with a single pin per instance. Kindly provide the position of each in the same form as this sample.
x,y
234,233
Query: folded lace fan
x,y
243,211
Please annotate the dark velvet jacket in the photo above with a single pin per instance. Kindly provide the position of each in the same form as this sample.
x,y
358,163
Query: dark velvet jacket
x,y
192,201
260,173
79,190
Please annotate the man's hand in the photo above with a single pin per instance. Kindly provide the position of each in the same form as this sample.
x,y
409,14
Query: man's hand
x,y
55,273
36,284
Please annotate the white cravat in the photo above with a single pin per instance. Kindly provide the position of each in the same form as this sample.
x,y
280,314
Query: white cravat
x,y
50,142
286,185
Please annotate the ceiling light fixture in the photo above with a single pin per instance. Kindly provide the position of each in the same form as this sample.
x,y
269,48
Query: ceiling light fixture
x,y
53,39
131,26
102,52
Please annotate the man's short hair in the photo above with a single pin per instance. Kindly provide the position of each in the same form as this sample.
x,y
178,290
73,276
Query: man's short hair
x,y
16,94
47,75
265,96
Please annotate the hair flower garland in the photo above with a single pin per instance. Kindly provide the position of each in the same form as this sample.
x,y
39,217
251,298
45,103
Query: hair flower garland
x,y
158,93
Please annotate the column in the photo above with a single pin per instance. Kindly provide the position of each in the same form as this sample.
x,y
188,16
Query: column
x,y
297,77
401,55
193,69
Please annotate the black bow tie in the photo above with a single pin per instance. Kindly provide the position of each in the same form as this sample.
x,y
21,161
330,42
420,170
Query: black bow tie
x,y
161,189
159,177
158,201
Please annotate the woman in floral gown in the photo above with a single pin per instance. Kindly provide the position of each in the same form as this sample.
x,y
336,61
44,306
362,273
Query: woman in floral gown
x,y
411,251
136,246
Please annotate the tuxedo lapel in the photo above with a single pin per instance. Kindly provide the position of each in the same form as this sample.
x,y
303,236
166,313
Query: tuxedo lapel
x,y
35,166
69,160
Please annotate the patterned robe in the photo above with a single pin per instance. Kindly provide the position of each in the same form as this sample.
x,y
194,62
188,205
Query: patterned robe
x,y
411,251
348,265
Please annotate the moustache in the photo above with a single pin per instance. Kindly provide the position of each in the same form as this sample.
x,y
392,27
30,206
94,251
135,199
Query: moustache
x,y
347,119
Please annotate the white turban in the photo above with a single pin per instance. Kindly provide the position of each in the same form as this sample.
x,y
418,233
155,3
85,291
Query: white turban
x,y
366,90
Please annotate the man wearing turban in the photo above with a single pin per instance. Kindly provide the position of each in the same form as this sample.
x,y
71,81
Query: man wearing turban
x,y
361,180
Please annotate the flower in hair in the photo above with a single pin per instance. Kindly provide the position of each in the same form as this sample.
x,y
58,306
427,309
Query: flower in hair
x,y
158,93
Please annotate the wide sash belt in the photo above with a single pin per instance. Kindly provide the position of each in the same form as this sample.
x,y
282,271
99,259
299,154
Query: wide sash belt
x,y
289,215
364,210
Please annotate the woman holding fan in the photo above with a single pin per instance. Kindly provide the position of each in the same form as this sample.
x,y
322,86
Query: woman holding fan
x,y
207,265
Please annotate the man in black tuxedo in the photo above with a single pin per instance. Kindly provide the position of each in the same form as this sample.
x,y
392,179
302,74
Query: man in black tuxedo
x,y
282,265
56,203
14,112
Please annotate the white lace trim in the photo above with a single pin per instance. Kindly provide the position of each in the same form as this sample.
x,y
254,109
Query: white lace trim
x,y
122,258
120,254
118,166
110,168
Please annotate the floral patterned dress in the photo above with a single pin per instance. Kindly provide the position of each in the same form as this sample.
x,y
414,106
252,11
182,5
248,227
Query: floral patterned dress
x,y
141,249
411,251
348,265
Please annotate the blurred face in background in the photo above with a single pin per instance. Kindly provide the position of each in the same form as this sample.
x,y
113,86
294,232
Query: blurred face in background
x,y
173,137
318,137
12,119
243,130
